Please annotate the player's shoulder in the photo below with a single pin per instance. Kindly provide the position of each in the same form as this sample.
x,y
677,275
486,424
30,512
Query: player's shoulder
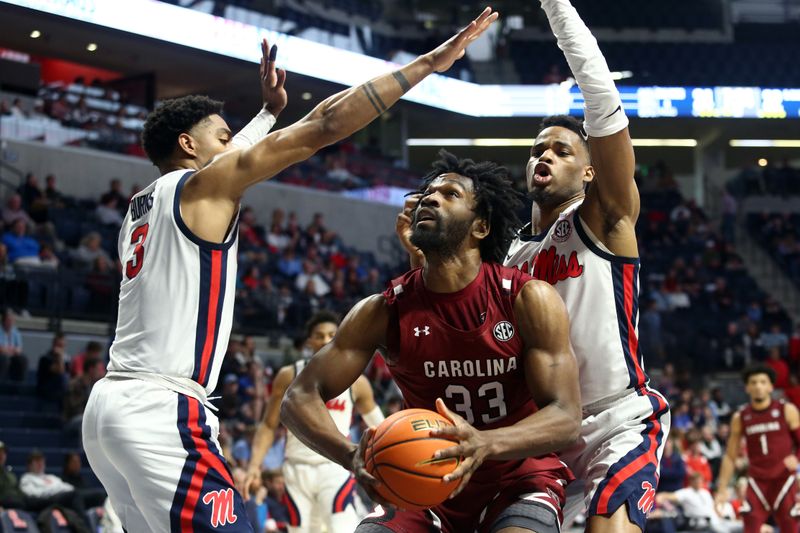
x,y
285,375
401,286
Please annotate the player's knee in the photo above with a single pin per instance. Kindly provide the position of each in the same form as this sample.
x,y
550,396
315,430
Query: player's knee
x,y
526,516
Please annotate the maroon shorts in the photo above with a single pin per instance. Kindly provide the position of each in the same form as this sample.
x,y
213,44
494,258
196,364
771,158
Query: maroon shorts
x,y
489,493
770,497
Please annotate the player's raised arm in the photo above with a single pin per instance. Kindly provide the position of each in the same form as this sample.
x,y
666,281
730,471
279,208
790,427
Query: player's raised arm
x,y
552,376
605,121
329,373
728,464
334,119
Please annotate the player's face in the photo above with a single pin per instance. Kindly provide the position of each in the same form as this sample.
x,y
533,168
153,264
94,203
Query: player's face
x,y
759,387
558,167
321,335
211,136
445,215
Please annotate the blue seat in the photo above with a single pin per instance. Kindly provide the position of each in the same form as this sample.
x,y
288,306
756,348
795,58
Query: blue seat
x,y
14,520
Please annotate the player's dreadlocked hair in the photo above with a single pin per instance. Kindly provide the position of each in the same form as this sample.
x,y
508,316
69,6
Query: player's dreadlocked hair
x,y
170,119
496,200
568,122
320,317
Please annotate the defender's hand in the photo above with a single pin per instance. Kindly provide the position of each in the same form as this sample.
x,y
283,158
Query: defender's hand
x,y
272,79
252,482
453,49
473,446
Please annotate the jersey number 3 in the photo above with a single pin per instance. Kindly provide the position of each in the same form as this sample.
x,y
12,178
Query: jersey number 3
x,y
138,237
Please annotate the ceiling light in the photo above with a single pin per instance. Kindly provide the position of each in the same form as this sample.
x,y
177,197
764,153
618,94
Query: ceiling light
x,y
762,162
91,47
306,96
35,34
527,142
764,143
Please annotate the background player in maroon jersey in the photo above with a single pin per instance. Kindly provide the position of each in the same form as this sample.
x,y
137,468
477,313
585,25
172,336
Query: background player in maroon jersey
x,y
462,334
772,430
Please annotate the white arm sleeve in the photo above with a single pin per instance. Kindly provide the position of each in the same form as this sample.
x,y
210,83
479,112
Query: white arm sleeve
x,y
603,113
255,130
374,417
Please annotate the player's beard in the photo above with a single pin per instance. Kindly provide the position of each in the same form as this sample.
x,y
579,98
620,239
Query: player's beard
x,y
443,240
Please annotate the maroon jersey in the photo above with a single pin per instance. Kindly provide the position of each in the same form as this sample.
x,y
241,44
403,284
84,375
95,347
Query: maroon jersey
x,y
769,440
477,372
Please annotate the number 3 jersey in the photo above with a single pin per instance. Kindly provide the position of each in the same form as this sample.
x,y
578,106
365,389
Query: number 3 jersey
x,y
177,290
477,370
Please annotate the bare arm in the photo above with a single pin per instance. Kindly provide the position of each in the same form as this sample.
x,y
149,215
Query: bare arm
x,y
792,416
363,396
265,433
329,373
726,469
552,375
210,197
612,202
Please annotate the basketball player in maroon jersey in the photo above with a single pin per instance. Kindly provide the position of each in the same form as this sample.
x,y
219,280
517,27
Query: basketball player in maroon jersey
x,y
485,345
772,432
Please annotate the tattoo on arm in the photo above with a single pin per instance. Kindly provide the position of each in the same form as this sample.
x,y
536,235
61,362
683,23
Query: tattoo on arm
x,y
402,81
373,97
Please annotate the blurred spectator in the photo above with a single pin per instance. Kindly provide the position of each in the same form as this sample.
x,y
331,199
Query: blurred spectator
x,y
775,338
89,250
310,282
48,257
43,490
13,362
18,108
107,211
673,469
5,108
71,474
10,494
77,395
553,75
54,197
52,375
781,368
92,352
33,199
698,507
115,192
22,248
276,496
696,463
711,448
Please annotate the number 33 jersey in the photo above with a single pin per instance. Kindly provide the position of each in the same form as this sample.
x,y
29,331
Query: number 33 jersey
x,y
478,372
177,290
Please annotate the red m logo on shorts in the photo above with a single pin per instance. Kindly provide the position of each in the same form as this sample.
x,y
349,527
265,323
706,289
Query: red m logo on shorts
x,y
648,499
221,502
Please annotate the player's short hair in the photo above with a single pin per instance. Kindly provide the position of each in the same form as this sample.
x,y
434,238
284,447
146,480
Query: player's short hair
x,y
568,122
320,317
496,200
758,369
170,119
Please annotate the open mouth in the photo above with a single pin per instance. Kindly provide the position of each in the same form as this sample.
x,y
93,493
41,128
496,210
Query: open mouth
x,y
425,215
541,173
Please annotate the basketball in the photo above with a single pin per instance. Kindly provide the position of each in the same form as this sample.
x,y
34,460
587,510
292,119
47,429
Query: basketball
x,y
400,456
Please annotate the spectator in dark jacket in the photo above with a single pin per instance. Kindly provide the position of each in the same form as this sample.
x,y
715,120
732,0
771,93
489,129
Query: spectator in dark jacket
x,y
673,469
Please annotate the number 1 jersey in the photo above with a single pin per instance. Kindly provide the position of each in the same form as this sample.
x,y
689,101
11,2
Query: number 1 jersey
x,y
769,440
479,371
177,291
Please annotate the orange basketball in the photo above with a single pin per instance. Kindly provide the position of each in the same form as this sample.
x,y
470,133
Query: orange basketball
x,y
400,456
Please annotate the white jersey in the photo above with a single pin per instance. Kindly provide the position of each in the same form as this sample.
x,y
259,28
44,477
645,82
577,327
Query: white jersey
x,y
177,290
601,292
340,409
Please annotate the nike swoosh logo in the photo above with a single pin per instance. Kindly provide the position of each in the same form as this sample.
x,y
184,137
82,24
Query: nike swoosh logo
x,y
619,108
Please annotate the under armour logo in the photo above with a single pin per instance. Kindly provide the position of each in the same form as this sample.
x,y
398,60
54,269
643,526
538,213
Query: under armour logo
x,y
647,500
425,331
221,507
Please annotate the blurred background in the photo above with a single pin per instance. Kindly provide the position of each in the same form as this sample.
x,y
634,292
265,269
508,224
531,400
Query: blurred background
x,y
711,87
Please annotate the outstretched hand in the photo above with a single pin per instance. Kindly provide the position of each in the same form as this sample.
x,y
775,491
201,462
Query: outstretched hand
x,y
453,49
472,448
272,79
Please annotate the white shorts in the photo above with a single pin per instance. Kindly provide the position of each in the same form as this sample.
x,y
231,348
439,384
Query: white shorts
x,y
320,493
617,457
156,453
